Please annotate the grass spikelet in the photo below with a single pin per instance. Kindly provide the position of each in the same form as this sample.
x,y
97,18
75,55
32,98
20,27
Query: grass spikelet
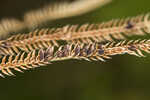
x,y
34,18
90,52
62,10
86,33
10,25
21,62
138,25
37,39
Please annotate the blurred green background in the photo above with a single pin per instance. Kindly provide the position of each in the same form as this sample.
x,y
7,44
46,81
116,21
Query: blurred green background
x,y
122,78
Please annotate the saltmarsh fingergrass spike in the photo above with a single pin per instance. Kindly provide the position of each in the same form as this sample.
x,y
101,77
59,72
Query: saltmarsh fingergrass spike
x,y
87,51
86,33
50,12
36,17
107,31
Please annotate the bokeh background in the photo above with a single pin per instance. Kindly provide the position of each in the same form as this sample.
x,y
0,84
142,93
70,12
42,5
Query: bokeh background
x,y
124,77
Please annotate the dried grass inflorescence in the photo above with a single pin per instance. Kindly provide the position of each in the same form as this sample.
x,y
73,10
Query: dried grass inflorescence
x,y
91,51
106,31
37,39
20,61
42,47
9,26
56,11
34,18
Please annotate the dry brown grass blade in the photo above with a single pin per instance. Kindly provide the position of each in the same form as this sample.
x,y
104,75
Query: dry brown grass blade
x,y
94,51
